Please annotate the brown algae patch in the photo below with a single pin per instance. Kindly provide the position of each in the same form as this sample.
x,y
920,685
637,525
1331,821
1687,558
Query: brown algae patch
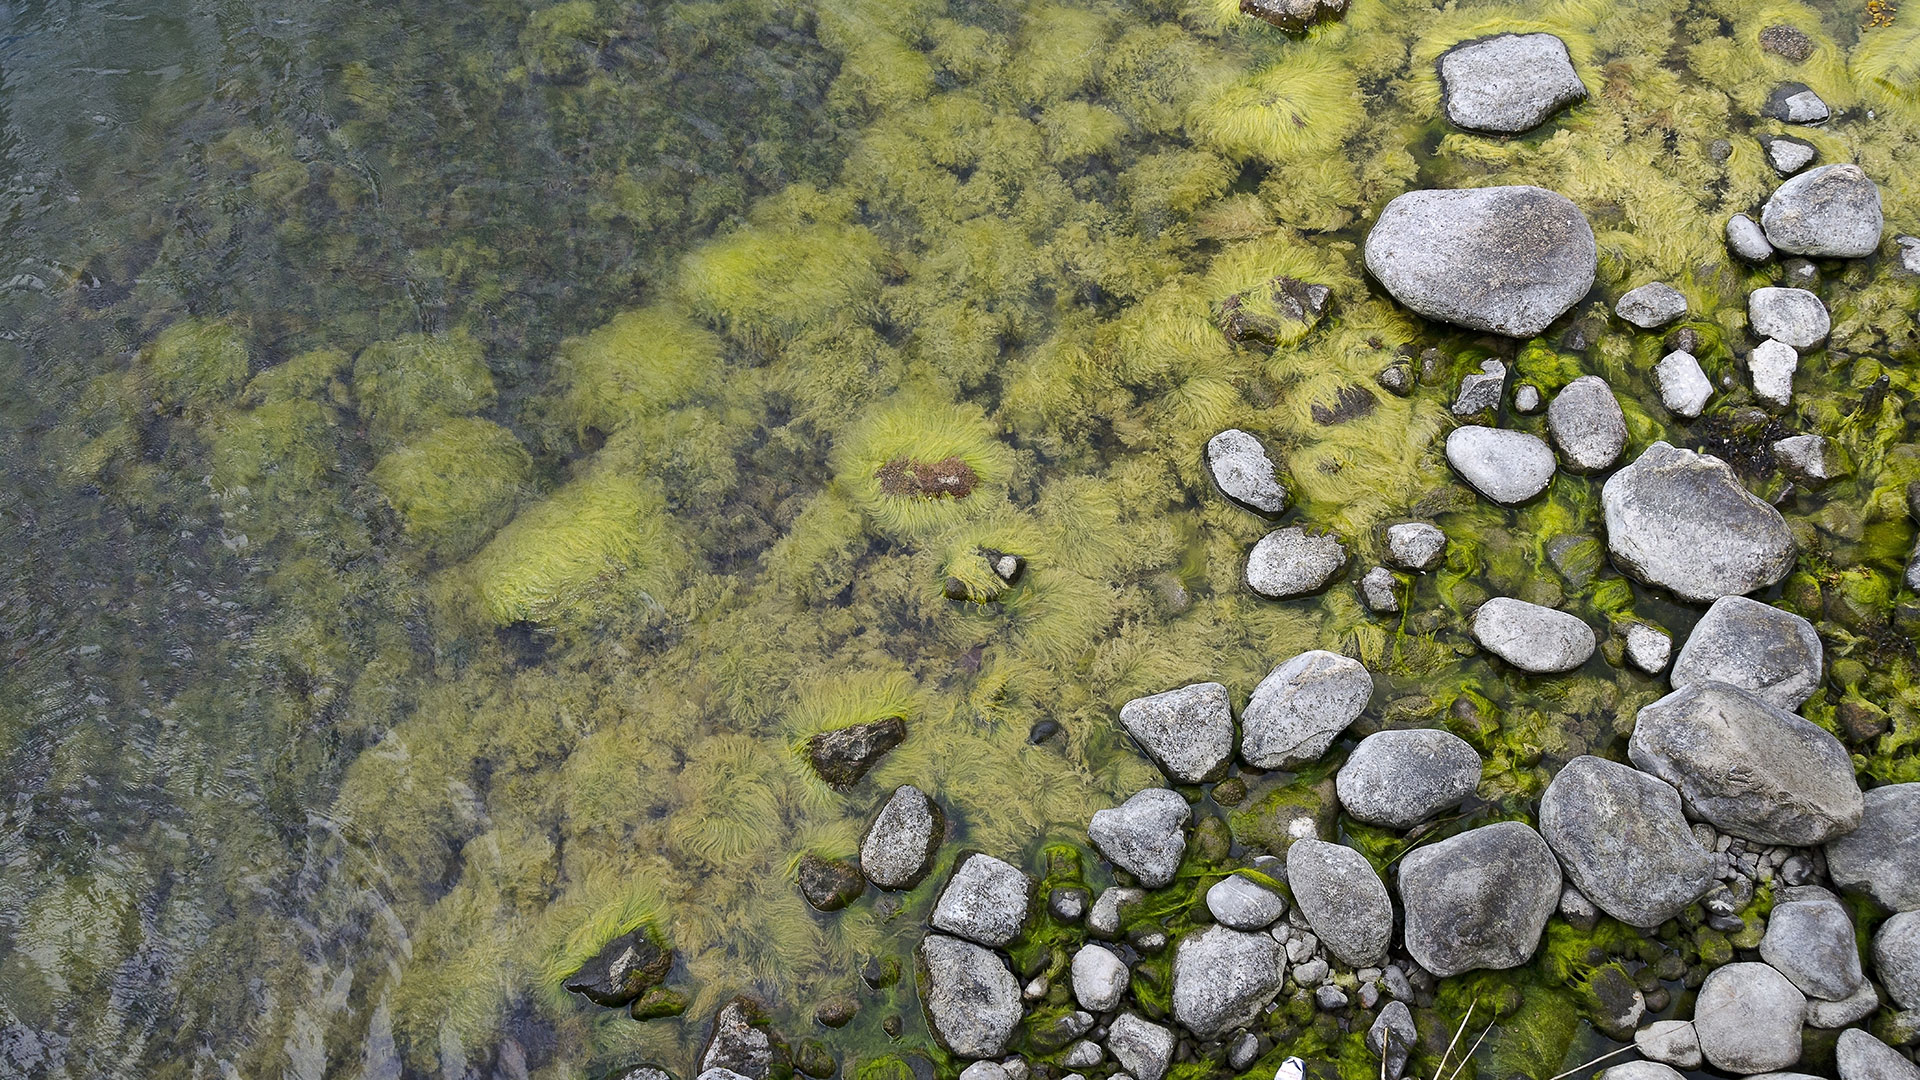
x,y
948,478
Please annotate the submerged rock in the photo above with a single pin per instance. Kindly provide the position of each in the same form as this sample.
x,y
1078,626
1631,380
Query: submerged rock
x,y
1684,387
829,884
1748,1017
1793,316
843,756
1343,899
1786,41
1415,545
1772,364
1881,858
739,1042
1587,425
1479,899
1294,562
1145,836
1748,767
1652,305
1793,103
622,970
1239,464
986,901
1682,521
899,846
1623,840
1509,260
1302,705
1810,940
1188,732
1747,239
1293,16
1809,459
1223,979
1508,83
1506,466
971,999
1401,778
1532,638
1757,647
1829,212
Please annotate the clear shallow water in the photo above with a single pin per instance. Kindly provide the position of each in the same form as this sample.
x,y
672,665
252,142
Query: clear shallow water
x,y
354,682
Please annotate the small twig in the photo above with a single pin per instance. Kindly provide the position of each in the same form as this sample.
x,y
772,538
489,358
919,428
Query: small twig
x,y
1468,1056
1595,1061
1456,1038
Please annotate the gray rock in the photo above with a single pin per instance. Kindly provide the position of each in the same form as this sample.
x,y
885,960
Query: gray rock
x,y
1142,1047
1652,305
1343,899
1479,899
1310,974
971,999
1302,705
1391,1038
1145,836
1748,1019
1896,958
1684,387
1509,260
1239,464
1100,978
1578,910
1377,590
985,1070
1587,425
1401,778
737,1044
1793,316
715,1073
1294,16
899,846
1329,998
1480,390
1415,545
1771,364
1532,638
1809,939
1244,904
1068,903
1860,1056
1809,459
1223,978
1909,254
1246,1050
1789,156
655,1072
1110,909
1187,732
1881,858
1683,522
1083,1055
1294,562
1669,1042
1796,104
1747,767
1852,1009
1747,239
1624,842
1640,1070
1506,466
1526,399
1757,647
1829,212
1509,83
1648,648
986,901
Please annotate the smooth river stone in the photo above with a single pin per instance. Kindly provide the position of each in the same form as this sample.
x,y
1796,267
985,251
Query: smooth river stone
x,y
1506,466
1624,841
1533,638
1509,83
1829,212
1682,521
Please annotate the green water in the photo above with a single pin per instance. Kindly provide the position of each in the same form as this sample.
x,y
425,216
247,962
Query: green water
x,y
439,449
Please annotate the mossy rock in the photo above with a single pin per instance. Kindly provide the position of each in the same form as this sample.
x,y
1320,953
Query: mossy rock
x,y
411,384
455,485
1281,815
198,363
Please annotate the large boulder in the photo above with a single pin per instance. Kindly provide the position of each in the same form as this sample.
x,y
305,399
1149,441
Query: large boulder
x,y
1294,562
1509,260
1239,464
1624,842
1509,83
899,846
972,1000
986,900
1747,767
1343,899
1810,940
1748,1018
1587,425
1479,899
1896,958
1301,707
1682,521
1829,212
1223,979
1860,1056
1401,778
1188,732
1145,836
1532,638
1881,858
1757,647
1506,466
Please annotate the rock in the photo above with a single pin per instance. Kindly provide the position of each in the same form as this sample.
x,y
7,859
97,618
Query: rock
x,y
1648,649
1652,305
1005,566
1747,239
1100,978
1829,212
739,1042
1480,391
1896,958
1239,464
1391,1038
1415,545
1789,156
1612,1002
652,1072
844,755
1881,858
1793,316
1772,364
1757,647
1246,1050
1828,1015
1506,466
985,1070
1310,974
1748,1019
1343,899
1860,1056
1145,836
1110,909
1068,903
1508,83
1295,17
1377,590
622,970
1532,638
1670,1042
1809,459
1910,254
1142,1047
829,884
1681,521
1509,260
1294,562
1526,399
1640,1070
1243,903
1587,425
721,1074
1578,910
1684,388
971,999
1747,767
1187,732
1809,939
1624,842
1786,41
1329,998
1396,378
1223,979
1793,103
1401,778
1479,899
1302,705
1083,1055
986,901
899,846
1290,309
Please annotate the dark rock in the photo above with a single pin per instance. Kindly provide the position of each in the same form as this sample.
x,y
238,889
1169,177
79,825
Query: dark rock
x,y
1479,899
1349,403
829,884
836,1011
813,1059
843,756
740,1042
658,1003
1391,1038
1280,313
1787,42
1042,731
624,968
1068,903
1294,16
